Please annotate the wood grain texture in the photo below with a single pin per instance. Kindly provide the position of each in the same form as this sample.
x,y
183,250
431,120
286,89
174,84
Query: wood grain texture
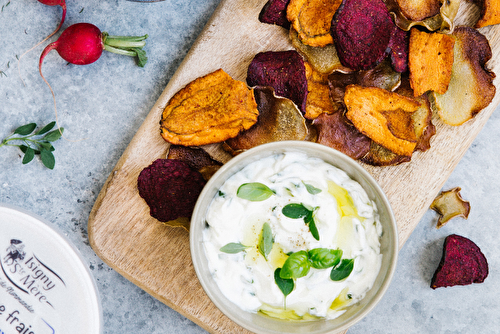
x,y
156,257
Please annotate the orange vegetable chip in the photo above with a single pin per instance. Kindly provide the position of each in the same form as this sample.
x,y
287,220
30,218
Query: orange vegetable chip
x,y
318,98
385,117
312,19
209,110
490,12
430,61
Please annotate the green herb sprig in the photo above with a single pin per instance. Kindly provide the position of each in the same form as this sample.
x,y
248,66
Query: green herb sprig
x,y
35,143
254,191
296,211
264,246
298,265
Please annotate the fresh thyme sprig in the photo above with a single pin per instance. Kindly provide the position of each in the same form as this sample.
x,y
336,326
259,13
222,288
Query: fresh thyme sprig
x,y
32,143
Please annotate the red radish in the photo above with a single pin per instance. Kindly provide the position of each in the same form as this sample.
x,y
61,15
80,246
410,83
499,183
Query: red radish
x,y
61,3
83,43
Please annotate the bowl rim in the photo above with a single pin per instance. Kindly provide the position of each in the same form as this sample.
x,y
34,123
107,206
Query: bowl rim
x,y
277,148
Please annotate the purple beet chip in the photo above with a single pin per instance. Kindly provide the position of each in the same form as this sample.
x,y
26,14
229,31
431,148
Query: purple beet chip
x,y
274,12
170,188
361,30
462,263
399,46
282,70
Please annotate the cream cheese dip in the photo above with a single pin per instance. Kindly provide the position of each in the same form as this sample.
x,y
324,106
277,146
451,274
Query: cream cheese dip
x,y
346,221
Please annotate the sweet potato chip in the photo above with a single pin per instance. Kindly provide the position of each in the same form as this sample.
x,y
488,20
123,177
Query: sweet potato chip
x,y
430,61
196,158
361,31
322,59
337,131
471,86
279,119
490,13
208,110
318,97
383,116
170,188
274,12
462,263
312,20
450,204
282,70
442,21
382,76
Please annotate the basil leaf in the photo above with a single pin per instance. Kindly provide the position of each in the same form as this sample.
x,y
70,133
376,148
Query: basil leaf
x,y
322,258
343,270
313,229
284,284
29,154
295,210
233,248
46,128
53,135
254,191
311,189
47,159
25,129
297,265
266,240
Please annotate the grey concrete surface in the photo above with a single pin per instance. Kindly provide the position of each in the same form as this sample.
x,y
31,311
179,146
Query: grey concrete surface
x,y
107,101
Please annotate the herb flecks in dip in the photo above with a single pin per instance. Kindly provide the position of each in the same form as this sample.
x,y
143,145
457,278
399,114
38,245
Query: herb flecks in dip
x,y
293,237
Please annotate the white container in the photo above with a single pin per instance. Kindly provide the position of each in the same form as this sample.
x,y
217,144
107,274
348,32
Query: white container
x,y
45,287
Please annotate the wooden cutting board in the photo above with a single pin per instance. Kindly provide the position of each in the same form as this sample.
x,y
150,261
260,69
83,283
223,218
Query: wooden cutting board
x,y
156,257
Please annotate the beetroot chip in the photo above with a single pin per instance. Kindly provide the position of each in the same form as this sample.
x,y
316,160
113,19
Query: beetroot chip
x,y
462,263
274,12
170,188
282,70
399,46
361,31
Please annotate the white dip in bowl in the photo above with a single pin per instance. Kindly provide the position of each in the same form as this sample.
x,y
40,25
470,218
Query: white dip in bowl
x,y
345,219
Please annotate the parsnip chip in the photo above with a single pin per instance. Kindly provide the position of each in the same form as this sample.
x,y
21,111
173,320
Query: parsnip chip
x,y
337,131
471,86
322,59
380,156
208,110
318,97
421,118
312,20
442,21
430,61
197,159
279,120
449,204
385,117
418,10
490,13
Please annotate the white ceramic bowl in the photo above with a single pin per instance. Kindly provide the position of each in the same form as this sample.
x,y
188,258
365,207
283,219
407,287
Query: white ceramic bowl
x,y
262,324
